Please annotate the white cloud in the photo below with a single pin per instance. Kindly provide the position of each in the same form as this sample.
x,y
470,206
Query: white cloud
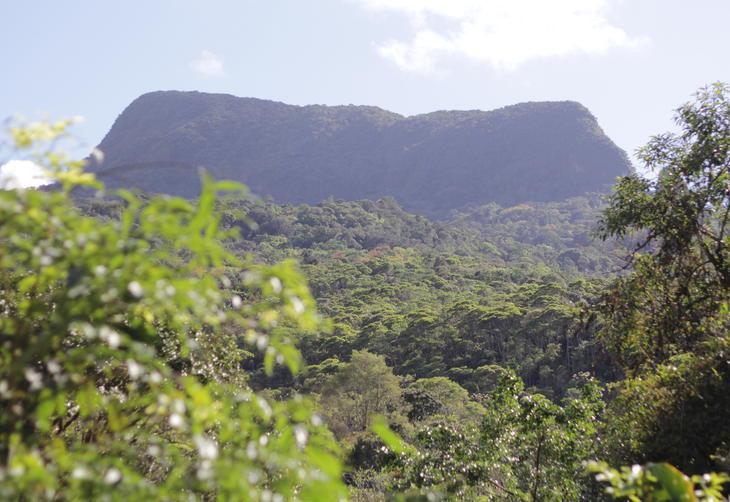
x,y
22,174
501,33
208,64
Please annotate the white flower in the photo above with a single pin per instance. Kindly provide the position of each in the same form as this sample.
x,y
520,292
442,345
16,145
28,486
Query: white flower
x,y
301,435
275,284
176,421
297,304
251,450
134,369
236,302
114,339
53,366
34,378
112,476
205,470
135,289
635,471
207,448
253,477
80,473
261,342
178,406
110,336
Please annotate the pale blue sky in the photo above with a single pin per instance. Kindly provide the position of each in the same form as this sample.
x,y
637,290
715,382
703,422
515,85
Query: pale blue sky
x,y
631,62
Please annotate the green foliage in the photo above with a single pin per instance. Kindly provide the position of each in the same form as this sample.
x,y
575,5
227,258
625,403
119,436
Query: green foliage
x,y
526,448
431,398
540,445
381,428
667,321
361,389
121,353
435,299
682,220
667,413
657,482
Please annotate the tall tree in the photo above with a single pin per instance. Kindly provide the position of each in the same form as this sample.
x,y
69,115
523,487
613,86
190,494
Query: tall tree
x,y
667,321
364,387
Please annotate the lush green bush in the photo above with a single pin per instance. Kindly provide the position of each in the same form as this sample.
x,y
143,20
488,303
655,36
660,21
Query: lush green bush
x,y
655,482
121,353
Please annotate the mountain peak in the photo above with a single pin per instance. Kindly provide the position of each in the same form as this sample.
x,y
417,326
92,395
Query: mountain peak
x,y
431,163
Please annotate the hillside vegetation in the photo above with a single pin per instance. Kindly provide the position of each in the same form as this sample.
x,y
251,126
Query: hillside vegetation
x,y
496,286
431,163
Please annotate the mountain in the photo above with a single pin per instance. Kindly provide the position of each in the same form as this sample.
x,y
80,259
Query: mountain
x,y
431,163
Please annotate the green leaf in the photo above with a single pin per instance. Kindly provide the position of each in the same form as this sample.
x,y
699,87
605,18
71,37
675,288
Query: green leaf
x,y
677,486
381,428
229,186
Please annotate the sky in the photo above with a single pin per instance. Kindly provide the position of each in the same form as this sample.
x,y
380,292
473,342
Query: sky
x,y
631,62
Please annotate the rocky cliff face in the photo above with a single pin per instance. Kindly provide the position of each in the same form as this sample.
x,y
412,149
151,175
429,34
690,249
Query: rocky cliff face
x,y
430,163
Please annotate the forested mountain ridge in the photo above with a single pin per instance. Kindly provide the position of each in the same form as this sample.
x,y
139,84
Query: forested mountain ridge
x,y
431,163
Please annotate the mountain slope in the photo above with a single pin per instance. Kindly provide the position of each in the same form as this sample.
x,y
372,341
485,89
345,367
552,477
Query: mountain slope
x,y
430,163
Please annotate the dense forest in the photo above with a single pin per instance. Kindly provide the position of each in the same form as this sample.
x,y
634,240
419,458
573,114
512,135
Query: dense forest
x,y
230,347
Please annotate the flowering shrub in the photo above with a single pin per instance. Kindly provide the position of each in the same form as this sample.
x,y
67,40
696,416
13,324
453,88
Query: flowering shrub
x,y
121,344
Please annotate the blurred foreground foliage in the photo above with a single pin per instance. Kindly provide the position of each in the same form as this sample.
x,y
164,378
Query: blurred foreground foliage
x,y
121,353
